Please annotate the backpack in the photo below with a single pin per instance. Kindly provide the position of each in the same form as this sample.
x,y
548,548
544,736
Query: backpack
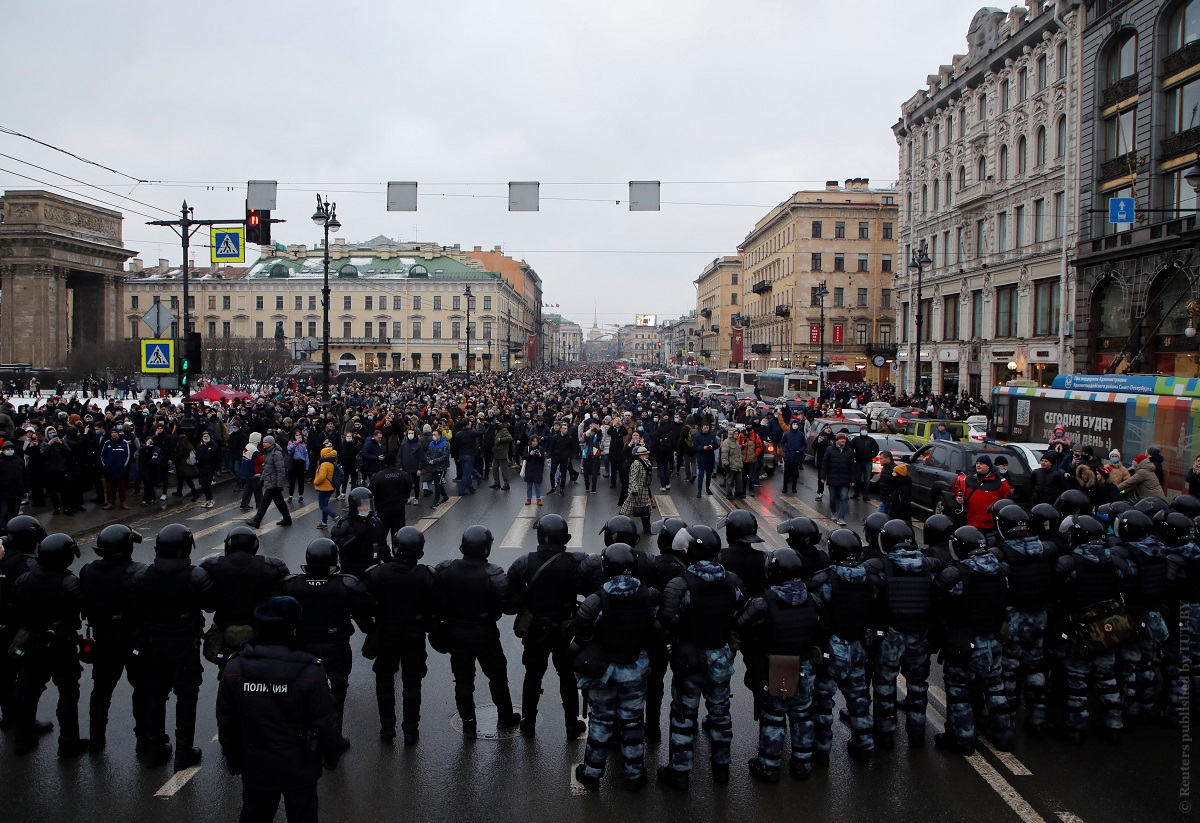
x,y
339,476
245,469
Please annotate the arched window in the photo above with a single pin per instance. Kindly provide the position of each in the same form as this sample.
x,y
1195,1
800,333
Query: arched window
x,y
1184,27
1039,147
962,177
1021,161
937,190
1003,163
981,170
924,200
1060,138
948,189
1122,58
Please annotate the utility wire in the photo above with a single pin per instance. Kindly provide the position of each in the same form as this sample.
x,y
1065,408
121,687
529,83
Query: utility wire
x,y
14,133
76,194
89,185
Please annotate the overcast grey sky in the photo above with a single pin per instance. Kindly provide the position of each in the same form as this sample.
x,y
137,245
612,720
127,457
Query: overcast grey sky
x,y
732,104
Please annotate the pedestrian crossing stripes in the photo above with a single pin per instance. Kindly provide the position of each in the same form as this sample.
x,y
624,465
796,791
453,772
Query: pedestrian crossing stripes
x,y
296,514
214,512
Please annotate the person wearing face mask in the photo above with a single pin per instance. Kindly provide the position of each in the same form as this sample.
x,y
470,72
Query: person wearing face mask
x,y
348,453
1117,473
865,450
115,457
793,444
208,460
12,482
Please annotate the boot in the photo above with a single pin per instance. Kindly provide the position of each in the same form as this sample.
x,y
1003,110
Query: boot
x,y
760,772
592,784
680,781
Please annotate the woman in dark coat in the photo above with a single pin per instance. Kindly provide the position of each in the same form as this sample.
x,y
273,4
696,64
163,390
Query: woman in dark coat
x,y
534,458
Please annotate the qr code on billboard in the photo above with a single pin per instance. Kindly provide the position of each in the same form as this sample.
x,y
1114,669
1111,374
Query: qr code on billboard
x,y
1022,412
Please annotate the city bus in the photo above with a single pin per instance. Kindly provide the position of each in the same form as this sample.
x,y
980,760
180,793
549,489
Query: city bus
x,y
737,379
788,384
1108,411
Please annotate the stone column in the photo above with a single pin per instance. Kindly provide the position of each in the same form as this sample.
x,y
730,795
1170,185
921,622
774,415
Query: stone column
x,y
34,316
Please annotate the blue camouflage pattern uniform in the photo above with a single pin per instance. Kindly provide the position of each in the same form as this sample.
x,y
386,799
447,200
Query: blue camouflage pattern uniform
x,y
846,669
616,703
1078,665
775,713
711,682
903,652
1024,649
1137,657
1181,655
980,665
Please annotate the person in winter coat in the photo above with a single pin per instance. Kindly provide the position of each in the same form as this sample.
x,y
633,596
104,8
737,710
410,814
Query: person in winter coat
x,y
705,446
297,453
1117,473
348,452
501,441
1048,480
412,460
274,478
1193,478
12,482
1156,458
437,462
152,463
1093,484
186,468
865,449
323,484
793,444
822,443
208,461
372,455
979,492
837,470
1143,482
638,501
899,504
55,463
731,461
115,457
534,458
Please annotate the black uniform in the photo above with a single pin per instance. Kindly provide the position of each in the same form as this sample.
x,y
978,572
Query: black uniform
x,y
241,581
172,596
748,563
12,566
404,595
120,641
472,595
330,601
271,702
48,603
550,602
391,487
362,542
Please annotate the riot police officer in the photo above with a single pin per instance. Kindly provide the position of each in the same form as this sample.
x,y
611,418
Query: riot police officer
x,y
739,557
804,538
276,719
846,595
975,594
787,620
472,595
360,535
330,601
614,627
120,643
24,535
872,526
545,583
172,595
47,599
241,580
698,608
617,529
1181,663
403,589
906,578
938,530
1146,599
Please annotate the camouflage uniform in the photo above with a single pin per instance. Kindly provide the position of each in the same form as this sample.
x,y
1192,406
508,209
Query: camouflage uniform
x,y
1181,655
1030,565
847,606
1148,578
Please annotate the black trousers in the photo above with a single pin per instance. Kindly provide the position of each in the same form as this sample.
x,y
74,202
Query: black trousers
x,y
58,662
270,496
490,656
338,660
407,656
393,519
174,666
116,654
538,652
259,806
9,668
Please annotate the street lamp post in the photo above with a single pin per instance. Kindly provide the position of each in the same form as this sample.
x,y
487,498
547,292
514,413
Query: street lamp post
x,y
326,217
822,290
467,294
918,263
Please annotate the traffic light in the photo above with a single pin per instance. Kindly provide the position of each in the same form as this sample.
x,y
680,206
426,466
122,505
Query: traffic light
x,y
184,373
258,226
191,354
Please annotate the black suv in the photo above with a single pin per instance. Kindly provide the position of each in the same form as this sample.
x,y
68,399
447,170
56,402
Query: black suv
x,y
934,467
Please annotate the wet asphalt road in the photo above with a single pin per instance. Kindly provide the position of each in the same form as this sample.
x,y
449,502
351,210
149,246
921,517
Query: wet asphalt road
x,y
446,778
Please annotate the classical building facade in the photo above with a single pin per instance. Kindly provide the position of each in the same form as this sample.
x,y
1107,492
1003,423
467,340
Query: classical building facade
x,y
565,339
842,236
679,340
640,344
988,161
718,298
1137,292
393,306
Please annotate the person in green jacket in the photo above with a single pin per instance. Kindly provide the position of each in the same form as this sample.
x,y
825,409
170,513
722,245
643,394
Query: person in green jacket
x,y
503,440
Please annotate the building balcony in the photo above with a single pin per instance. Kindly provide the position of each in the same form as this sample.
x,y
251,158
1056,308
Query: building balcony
x,y
888,350
706,313
975,194
760,348
783,311
761,287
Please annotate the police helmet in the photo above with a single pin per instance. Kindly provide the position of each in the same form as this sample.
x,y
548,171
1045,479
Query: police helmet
x,y
968,541
1151,505
241,539
1073,501
802,532
56,552
679,542
1081,529
409,542
1133,526
1186,504
552,530
174,542
742,526
24,534
1107,513
117,541
896,534
1176,529
874,525
844,547
997,505
1045,520
276,618
620,529
360,503
321,556
1012,522
938,528
667,529
783,565
476,542
619,558
703,543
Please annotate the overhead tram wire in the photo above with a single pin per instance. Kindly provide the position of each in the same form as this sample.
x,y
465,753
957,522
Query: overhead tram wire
x,y
94,200
89,185
15,133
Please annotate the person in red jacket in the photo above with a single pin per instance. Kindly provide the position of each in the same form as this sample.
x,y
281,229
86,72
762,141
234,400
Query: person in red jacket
x,y
979,492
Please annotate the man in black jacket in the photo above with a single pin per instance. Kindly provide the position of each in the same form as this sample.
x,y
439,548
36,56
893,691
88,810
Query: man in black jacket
x,y
272,703
391,488
837,471
562,448
865,449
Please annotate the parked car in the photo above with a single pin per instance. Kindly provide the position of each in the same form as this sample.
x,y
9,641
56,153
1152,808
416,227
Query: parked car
x,y
900,448
934,467
920,432
1031,452
855,416
872,410
893,420
976,433
835,423
979,420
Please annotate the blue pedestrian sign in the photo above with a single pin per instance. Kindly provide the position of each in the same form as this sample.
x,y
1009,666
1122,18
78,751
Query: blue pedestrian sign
x,y
1120,210
158,356
228,245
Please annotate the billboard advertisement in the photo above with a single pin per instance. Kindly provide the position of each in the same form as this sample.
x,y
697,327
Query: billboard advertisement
x,y
645,320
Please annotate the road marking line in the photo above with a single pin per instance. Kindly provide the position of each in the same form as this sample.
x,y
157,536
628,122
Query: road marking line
x,y
426,523
578,507
514,538
294,514
1009,760
575,524
666,506
1067,817
215,511
177,782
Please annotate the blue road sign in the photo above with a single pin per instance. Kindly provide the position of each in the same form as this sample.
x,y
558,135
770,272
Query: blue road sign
x,y
158,356
228,245
1120,210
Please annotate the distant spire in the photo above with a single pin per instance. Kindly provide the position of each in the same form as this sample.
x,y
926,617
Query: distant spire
x,y
595,324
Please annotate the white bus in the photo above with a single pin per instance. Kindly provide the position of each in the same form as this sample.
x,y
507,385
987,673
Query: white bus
x,y
787,384
737,379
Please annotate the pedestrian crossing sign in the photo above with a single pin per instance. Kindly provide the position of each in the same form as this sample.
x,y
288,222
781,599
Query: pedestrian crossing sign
x,y
228,245
158,356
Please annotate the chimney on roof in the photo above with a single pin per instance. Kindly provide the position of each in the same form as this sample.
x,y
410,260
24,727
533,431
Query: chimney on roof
x,y
135,265
831,185
479,248
497,249
164,265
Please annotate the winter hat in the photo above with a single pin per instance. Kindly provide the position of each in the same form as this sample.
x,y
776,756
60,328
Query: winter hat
x,y
268,440
1001,461
1138,458
426,429
1115,453
640,450
984,459
276,618
1051,456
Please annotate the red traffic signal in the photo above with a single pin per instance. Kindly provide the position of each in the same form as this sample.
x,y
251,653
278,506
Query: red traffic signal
x,y
258,226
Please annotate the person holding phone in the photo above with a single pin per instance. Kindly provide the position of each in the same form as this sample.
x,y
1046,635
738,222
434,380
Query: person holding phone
x,y
978,492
